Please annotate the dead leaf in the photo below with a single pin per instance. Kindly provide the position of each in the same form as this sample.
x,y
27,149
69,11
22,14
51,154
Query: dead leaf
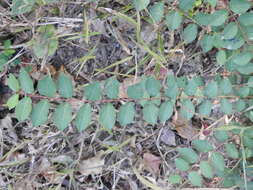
x,y
92,165
184,127
168,137
152,162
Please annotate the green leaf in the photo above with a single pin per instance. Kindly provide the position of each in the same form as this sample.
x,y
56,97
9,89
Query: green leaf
x,y
13,83
174,179
187,109
107,116
172,91
47,87
173,20
202,145
218,161
242,58
211,90
165,111
226,86
23,109
62,116
212,2
206,43
40,113
230,31
248,31
250,82
126,114
221,57
135,91
12,102
188,155
233,44
21,6
243,92
83,117
240,105
46,42
153,86
182,164
195,178
226,106
93,91
221,136
186,5
157,11
246,19
26,82
190,33
245,69
239,6
112,88
205,108
191,87
232,150
140,4
218,17
150,113
203,18
65,86
206,169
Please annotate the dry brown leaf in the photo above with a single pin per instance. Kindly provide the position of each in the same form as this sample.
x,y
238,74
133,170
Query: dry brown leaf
x,y
184,127
152,162
92,165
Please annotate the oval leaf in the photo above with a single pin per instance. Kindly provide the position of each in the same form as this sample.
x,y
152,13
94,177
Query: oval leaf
x,y
47,87
206,169
112,88
182,164
190,33
140,4
202,145
218,161
12,102
62,116
165,111
107,116
195,178
93,91
153,86
23,109
188,155
83,117
65,86
13,83
173,20
187,109
126,114
40,113
25,81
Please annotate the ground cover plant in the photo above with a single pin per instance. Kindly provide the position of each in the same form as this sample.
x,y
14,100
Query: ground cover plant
x,y
126,94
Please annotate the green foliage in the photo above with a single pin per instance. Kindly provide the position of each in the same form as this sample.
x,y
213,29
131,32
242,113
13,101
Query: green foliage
x,y
135,91
62,116
195,178
211,89
202,145
47,87
83,117
188,155
46,42
40,113
173,20
165,111
187,109
26,82
13,83
157,11
126,114
239,6
140,4
111,88
205,108
150,113
206,169
186,5
23,109
21,6
182,164
12,102
174,179
65,86
153,86
218,161
232,150
107,116
190,33
93,91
